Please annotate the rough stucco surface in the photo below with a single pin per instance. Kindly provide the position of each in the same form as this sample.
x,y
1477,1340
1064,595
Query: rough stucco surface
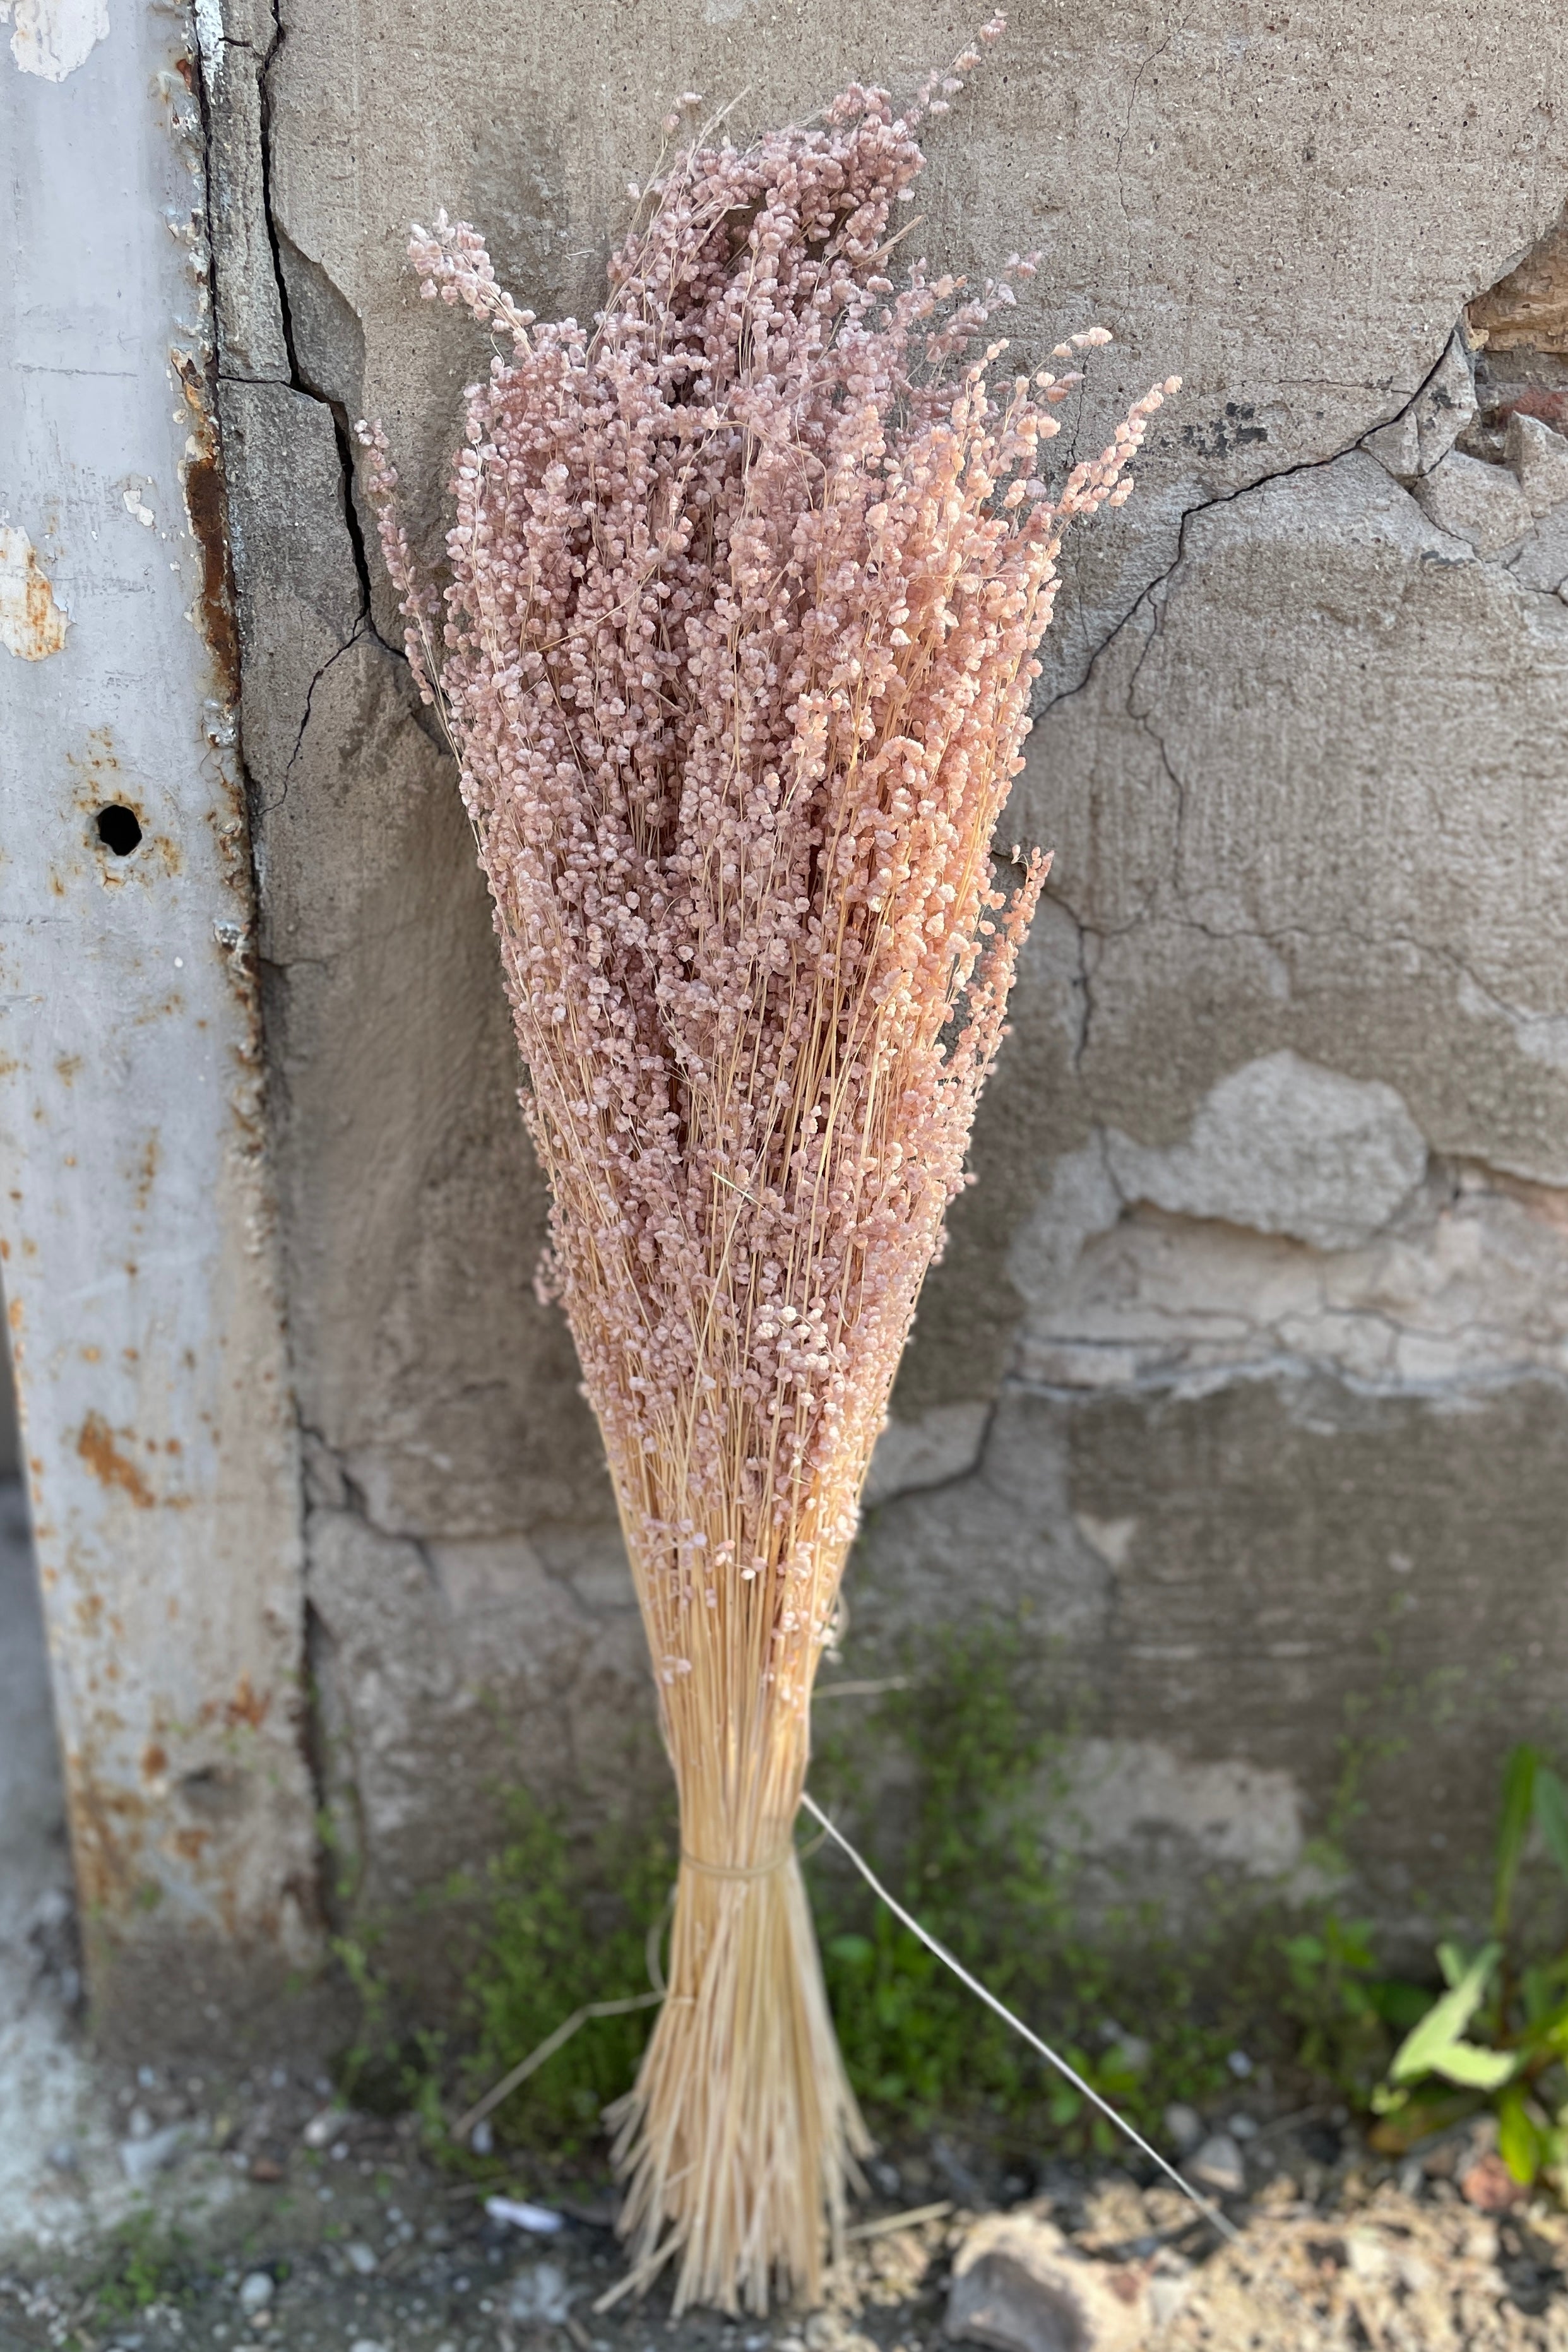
x,y
1243,1379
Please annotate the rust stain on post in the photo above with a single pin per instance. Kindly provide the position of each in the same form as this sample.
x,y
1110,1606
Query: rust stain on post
x,y
247,1705
207,508
109,1836
31,624
97,1448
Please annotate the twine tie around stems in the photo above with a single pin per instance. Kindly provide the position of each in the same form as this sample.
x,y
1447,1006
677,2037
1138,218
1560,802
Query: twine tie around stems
x,y
740,1870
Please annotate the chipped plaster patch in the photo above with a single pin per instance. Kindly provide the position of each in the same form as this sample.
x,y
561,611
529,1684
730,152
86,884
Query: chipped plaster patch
x,y
1541,1037
1247,1816
1111,1538
1283,1146
31,623
52,37
1472,1284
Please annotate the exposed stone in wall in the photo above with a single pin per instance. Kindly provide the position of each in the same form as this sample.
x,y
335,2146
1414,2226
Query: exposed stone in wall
x,y
1527,310
1240,1386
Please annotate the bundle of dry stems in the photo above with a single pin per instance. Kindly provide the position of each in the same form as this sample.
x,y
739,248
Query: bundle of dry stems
x,y
735,656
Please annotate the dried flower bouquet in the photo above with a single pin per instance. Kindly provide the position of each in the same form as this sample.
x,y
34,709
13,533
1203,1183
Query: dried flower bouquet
x,y
735,656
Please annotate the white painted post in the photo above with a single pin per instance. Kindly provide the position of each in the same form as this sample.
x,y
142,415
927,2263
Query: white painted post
x,y
134,1210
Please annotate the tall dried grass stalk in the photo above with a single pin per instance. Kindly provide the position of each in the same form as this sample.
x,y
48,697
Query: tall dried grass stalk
x,y
735,656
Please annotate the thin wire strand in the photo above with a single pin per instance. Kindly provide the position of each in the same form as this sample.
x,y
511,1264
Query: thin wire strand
x,y
1211,2214
547,2048
564,2033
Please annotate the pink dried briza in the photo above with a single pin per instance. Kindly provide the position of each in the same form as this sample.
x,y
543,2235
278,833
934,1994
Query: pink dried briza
x,y
735,656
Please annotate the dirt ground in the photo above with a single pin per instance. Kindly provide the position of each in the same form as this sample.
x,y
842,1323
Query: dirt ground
x,y
261,2212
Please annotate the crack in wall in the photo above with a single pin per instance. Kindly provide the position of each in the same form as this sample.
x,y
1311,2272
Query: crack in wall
x,y
269,808
1150,597
331,1790
298,380
1144,63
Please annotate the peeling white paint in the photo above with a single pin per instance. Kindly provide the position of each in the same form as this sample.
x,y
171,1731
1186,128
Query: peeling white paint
x,y
209,30
52,38
32,621
137,507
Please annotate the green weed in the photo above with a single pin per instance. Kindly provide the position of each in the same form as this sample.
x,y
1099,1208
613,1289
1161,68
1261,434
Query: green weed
x,y
975,1840
977,1872
1496,2036
148,2262
563,1930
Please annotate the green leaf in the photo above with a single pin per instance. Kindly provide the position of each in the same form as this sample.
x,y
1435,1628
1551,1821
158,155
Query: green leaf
x,y
857,1951
1439,2031
1472,2068
1551,1814
1519,2141
1452,1961
1399,2004
1518,1801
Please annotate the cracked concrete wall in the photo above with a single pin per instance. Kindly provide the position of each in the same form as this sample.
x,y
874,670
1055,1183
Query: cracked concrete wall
x,y
1242,1384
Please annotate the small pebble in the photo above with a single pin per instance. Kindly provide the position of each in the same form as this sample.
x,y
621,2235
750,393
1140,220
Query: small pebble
x,y
541,2296
359,2257
1217,2164
1184,2125
481,2139
536,2218
255,2291
1166,2296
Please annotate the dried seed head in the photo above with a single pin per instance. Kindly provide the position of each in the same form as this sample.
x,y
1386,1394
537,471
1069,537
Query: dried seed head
x,y
744,592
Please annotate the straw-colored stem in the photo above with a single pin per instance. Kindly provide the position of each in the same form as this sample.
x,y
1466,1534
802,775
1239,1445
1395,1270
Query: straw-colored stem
x,y
738,2142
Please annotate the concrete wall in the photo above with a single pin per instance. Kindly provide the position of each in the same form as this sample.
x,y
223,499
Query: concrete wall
x,y
1243,1380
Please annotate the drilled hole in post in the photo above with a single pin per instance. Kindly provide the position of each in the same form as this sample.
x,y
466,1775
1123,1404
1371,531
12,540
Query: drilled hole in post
x,y
118,829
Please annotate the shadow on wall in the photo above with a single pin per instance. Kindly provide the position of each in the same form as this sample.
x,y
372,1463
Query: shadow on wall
x,y
40,1984
10,1435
